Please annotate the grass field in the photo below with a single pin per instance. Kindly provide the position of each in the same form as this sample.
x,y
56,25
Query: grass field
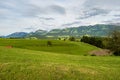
x,y
25,64
62,47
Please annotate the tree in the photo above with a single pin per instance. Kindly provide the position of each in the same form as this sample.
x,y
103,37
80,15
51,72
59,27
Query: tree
x,y
72,38
114,42
49,43
85,39
59,38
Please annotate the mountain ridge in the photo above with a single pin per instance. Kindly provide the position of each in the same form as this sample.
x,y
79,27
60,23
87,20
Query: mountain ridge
x,y
91,30
17,35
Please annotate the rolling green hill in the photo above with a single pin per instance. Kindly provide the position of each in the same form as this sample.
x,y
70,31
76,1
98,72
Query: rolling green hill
x,y
23,64
62,47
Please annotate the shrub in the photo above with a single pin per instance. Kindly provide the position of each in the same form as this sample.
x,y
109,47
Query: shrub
x,y
72,38
93,55
117,53
85,54
49,43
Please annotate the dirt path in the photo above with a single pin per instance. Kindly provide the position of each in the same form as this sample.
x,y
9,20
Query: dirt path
x,y
102,52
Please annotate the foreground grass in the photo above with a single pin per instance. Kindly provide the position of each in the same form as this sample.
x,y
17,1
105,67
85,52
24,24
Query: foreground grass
x,y
22,64
62,47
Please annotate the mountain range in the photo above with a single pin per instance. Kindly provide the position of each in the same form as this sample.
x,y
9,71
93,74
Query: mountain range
x,y
17,35
91,30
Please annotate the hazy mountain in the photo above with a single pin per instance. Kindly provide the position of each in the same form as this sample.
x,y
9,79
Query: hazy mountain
x,y
17,35
2,36
38,34
95,30
92,30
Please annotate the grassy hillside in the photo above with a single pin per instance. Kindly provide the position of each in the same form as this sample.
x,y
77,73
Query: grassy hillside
x,y
62,47
23,64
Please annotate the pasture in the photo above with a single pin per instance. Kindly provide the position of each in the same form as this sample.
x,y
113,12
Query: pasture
x,y
62,47
24,61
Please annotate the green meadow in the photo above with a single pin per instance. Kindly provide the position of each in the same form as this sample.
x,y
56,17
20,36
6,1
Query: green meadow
x,y
62,47
64,60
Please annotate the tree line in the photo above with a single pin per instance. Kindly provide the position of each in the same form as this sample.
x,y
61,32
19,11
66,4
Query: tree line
x,y
112,42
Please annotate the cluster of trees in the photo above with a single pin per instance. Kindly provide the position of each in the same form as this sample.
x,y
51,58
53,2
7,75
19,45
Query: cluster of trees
x,y
114,42
68,38
96,41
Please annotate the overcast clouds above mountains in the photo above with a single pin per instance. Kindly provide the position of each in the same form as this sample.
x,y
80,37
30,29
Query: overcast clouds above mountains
x,y
30,15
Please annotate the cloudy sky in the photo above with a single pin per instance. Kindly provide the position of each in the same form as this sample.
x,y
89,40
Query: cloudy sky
x,y
30,15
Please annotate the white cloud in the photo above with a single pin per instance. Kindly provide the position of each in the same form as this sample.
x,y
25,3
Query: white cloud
x,y
28,15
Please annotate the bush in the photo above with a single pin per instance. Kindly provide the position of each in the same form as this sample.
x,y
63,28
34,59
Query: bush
x,y
117,53
93,55
49,43
85,54
72,38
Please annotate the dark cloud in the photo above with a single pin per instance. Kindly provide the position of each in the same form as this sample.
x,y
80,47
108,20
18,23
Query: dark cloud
x,y
107,21
30,10
29,28
73,23
117,15
114,20
57,9
22,9
44,18
93,12
34,11
111,4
